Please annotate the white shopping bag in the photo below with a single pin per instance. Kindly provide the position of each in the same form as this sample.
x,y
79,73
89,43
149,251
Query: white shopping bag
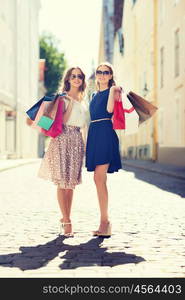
x,y
131,118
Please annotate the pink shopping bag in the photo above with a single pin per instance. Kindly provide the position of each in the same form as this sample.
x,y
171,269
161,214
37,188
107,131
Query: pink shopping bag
x,y
56,127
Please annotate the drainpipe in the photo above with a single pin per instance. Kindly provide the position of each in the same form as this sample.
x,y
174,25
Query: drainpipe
x,y
15,80
155,85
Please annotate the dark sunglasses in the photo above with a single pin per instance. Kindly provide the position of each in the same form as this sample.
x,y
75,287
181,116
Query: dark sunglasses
x,y
98,72
79,76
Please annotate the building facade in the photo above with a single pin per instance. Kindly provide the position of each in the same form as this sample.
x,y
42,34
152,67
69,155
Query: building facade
x,y
19,54
149,59
134,67
171,81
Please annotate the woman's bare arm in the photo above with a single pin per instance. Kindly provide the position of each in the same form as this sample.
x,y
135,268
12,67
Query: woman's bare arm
x,y
113,94
67,113
84,134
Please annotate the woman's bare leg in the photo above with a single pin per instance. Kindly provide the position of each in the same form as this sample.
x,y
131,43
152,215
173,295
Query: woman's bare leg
x,y
69,197
65,197
100,178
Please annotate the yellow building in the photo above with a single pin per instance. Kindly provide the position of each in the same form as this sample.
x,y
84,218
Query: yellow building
x,y
171,81
152,63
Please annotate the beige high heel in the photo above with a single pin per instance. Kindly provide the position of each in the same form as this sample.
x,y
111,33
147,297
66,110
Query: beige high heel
x,y
106,233
62,225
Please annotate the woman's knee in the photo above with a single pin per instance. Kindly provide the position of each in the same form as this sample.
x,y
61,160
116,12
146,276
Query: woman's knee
x,y
100,178
68,191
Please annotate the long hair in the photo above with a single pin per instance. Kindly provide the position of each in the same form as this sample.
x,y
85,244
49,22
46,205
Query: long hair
x,y
111,81
65,84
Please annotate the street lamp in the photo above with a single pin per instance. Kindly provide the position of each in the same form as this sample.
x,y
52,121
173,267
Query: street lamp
x,y
145,90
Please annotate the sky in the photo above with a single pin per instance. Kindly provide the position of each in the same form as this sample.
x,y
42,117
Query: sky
x,y
76,24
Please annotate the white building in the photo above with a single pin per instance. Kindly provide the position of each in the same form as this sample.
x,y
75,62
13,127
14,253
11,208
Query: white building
x,y
19,54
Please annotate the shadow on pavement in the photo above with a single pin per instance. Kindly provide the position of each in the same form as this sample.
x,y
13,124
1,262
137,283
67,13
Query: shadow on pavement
x,y
91,253
164,182
72,256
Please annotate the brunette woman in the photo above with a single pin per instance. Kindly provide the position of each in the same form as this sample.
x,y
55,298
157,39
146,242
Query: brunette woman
x,y
62,163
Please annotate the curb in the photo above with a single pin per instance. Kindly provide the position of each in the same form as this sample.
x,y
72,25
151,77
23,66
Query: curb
x,y
18,165
171,174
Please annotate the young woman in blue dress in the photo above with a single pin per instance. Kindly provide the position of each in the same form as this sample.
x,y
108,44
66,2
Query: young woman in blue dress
x,y
102,148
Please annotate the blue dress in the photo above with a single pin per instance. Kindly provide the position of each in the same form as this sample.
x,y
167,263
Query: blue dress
x,y
102,141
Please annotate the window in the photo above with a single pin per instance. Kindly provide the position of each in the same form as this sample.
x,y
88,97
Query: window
x,y
161,126
140,152
178,121
177,57
162,11
121,41
176,2
162,67
145,87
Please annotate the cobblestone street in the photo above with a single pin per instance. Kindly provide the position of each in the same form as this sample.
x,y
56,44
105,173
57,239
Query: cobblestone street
x,y
147,212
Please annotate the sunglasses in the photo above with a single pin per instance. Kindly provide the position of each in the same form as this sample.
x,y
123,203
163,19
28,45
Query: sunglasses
x,y
98,72
79,76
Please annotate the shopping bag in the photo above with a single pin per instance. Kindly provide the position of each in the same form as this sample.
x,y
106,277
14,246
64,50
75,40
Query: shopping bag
x,y
49,112
144,108
131,116
32,112
56,127
118,115
45,122
54,111
125,116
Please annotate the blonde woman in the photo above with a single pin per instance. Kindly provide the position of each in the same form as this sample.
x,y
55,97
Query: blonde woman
x,y
102,150
62,163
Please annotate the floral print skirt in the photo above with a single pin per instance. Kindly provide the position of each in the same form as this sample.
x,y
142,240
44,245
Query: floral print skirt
x,y
63,160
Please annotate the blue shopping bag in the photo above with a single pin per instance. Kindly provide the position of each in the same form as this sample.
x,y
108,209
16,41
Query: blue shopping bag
x,y
32,112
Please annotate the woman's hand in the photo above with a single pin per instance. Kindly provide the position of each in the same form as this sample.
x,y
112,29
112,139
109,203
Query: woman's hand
x,y
115,88
115,93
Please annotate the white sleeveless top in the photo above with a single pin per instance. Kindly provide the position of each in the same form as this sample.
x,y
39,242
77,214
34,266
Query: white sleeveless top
x,y
79,115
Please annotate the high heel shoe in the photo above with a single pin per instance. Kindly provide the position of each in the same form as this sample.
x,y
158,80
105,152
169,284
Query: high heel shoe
x,y
106,234
62,226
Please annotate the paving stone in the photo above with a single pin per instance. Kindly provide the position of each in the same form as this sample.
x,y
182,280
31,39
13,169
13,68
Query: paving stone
x,y
147,223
